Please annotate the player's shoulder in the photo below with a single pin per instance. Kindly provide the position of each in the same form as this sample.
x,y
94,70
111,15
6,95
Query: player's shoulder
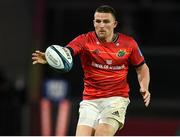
x,y
127,40
125,37
87,35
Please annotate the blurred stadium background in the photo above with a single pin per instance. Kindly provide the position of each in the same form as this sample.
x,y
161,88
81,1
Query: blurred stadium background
x,y
26,91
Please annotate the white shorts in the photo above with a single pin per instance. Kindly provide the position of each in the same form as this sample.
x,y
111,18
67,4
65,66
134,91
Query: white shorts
x,y
93,112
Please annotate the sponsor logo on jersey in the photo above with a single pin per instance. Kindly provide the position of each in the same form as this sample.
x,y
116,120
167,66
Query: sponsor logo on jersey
x,y
107,67
121,53
108,61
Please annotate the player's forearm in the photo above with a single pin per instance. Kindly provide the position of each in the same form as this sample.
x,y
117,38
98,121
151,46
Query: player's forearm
x,y
143,76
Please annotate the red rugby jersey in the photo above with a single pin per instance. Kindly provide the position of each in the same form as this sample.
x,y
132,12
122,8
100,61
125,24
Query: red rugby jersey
x,y
105,64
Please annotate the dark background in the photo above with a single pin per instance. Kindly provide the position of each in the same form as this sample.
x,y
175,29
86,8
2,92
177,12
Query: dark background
x,y
27,25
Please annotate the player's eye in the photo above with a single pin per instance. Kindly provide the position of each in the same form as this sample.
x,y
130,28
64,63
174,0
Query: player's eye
x,y
98,21
106,21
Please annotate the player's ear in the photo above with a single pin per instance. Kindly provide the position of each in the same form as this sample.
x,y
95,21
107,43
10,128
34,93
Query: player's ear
x,y
115,24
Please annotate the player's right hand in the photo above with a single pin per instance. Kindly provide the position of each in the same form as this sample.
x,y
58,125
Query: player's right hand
x,y
146,96
38,57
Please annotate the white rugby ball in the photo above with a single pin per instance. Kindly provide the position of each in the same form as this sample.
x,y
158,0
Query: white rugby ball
x,y
59,58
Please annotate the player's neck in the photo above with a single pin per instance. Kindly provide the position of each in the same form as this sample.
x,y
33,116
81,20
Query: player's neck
x,y
109,39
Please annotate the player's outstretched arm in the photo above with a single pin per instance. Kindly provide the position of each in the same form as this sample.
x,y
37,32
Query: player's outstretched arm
x,y
38,57
144,78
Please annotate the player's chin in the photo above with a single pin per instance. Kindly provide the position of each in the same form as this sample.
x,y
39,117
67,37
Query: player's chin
x,y
101,36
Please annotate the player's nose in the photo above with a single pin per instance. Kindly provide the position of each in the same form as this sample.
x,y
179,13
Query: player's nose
x,y
101,24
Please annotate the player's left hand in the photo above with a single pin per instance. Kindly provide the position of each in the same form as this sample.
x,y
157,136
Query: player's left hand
x,y
146,96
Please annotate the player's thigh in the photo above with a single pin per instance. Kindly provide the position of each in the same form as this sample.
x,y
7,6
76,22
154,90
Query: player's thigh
x,y
84,130
88,114
107,127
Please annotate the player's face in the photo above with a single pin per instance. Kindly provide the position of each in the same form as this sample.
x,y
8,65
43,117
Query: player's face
x,y
104,24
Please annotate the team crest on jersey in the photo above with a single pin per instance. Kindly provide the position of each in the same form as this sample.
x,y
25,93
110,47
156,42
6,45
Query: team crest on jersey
x,y
121,53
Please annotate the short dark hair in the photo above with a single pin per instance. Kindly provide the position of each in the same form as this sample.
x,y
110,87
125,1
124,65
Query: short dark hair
x,y
106,9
